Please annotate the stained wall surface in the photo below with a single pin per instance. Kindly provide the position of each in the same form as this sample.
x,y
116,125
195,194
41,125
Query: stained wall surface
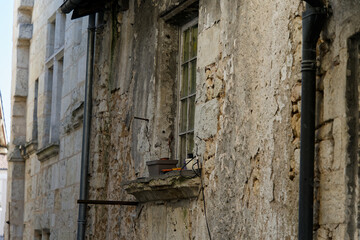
x,y
247,121
247,126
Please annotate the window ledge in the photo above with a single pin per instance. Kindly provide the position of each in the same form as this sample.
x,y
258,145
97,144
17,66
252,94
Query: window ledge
x,y
165,187
47,152
57,54
31,147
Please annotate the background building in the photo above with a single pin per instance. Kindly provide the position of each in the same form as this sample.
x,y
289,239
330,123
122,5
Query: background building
x,y
218,80
3,169
49,59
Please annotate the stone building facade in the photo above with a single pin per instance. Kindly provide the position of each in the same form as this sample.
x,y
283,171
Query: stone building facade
x,y
49,59
3,169
220,80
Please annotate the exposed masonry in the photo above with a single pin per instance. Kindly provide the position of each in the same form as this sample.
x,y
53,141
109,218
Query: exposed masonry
x,y
224,132
247,122
247,126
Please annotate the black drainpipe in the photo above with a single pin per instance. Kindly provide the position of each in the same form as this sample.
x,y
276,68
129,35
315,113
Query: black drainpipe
x,y
86,129
312,22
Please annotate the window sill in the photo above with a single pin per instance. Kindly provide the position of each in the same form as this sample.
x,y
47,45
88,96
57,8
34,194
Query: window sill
x,y
166,187
57,54
31,147
49,151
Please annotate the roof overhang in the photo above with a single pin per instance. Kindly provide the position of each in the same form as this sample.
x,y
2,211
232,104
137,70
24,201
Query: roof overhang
x,y
83,8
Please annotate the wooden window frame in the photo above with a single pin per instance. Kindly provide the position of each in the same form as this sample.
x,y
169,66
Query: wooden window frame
x,y
191,24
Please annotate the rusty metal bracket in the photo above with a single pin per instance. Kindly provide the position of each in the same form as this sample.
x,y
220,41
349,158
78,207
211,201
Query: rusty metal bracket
x,y
106,202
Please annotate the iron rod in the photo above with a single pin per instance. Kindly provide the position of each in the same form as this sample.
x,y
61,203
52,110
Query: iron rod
x,y
108,202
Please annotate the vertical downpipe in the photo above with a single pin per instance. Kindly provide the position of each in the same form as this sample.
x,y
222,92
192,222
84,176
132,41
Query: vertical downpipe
x,y
313,21
86,128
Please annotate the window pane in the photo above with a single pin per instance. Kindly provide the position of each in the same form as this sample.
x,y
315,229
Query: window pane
x,y
191,113
182,148
190,143
184,81
194,34
183,117
186,40
193,77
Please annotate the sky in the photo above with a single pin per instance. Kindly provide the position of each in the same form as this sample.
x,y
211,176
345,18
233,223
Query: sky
x,y
6,22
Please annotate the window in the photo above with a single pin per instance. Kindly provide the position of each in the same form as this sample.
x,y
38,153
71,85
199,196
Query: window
x,y
56,34
178,79
42,234
38,235
186,118
54,77
46,234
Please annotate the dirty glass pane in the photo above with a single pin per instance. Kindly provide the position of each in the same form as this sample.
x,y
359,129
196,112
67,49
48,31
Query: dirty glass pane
x,y
184,80
190,143
193,77
183,116
191,113
182,147
194,34
186,40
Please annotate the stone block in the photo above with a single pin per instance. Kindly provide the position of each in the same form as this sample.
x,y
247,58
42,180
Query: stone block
x,y
177,222
21,83
22,57
34,186
340,232
25,31
23,16
319,109
26,4
17,210
324,132
340,143
72,170
209,39
78,140
297,160
54,169
82,69
326,156
62,174
19,109
65,106
158,214
334,94
296,124
332,192
69,145
68,200
296,93
206,119
16,232
50,200
322,234
52,220
211,14
18,171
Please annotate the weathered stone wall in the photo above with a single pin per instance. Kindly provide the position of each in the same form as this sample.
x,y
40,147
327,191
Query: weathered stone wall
x,y
247,122
246,127
249,164
337,134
